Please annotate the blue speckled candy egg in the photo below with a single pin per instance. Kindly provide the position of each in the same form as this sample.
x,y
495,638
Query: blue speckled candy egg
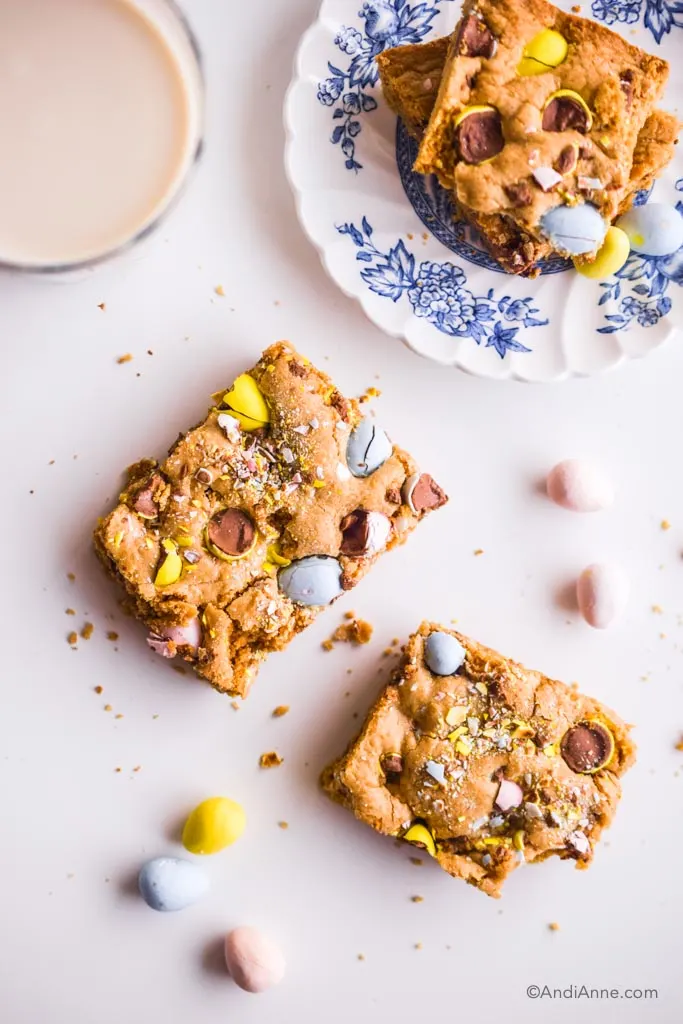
x,y
655,229
368,449
313,580
443,654
169,883
574,229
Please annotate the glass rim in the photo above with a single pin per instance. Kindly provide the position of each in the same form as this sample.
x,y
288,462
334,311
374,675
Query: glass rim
x,y
175,195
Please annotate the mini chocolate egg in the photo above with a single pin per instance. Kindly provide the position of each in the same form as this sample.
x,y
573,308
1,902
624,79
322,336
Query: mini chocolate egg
x,y
655,229
574,229
254,961
443,654
611,257
213,824
170,883
579,486
368,448
314,580
602,592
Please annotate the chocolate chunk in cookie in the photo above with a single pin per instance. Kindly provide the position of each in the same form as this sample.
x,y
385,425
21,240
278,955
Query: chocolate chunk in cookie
x,y
475,38
478,134
565,110
231,532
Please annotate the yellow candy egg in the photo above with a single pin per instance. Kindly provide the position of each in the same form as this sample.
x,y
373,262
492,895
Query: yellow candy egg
x,y
214,824
421,835
546,50
246,403
611,256
171,568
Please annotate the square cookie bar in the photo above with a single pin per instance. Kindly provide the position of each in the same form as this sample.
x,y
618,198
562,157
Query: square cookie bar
x,y
483,763
537,117
410,77
278,502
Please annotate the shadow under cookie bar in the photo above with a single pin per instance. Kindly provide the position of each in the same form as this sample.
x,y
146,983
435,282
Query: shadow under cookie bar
x,y
263,514
483,763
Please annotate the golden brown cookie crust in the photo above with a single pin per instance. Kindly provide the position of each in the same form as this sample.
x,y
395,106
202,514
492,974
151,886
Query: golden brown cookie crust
x,y
292,482
495,720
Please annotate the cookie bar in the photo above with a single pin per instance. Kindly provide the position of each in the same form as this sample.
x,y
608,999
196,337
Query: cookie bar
x,y
278,502
539,110
483,763
411,76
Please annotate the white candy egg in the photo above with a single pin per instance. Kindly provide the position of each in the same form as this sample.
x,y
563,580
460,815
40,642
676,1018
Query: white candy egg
x,y
254,961
602,592
655,229
579,486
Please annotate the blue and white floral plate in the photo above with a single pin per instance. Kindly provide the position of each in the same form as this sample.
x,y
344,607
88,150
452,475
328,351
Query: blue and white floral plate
x,y
387,237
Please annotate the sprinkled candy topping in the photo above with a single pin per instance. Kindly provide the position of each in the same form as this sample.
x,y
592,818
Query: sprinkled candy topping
x,y
368,448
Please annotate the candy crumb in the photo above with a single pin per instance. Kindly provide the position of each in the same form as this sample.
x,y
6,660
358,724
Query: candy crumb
x,y
554,926
111,635
283,824
280,710
87,631
72,639
270,760
126,358
665,524
417,899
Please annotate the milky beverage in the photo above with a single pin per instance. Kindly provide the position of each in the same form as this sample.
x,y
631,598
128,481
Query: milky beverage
x,y
94,128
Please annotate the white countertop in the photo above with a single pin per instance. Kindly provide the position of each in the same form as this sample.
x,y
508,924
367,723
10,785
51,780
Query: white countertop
x,y
76,944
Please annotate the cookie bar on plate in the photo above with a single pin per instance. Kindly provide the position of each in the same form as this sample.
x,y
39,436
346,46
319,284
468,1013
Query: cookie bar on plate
x,y
278,502
411,76
483,763
537,116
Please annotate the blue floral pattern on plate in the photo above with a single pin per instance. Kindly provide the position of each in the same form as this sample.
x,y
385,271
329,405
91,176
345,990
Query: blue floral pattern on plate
x,y
640,287
387,23
437,293
659,16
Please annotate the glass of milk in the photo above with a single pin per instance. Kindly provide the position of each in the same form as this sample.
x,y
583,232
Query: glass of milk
x,y
101,119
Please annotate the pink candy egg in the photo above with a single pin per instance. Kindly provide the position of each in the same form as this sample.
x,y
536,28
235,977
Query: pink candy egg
x,y
254,961
579,486
602,592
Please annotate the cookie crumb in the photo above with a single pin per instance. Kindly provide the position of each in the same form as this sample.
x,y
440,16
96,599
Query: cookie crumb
x,y
124,358
665,524
576,9
234,705
70,611
270,760
478,551
351,631
220,290
417,899
71,576
99,689
418,945
679,745
657,609
361,956
108,707
102,306
283,824
111,635
118,769
87,631
280,710
554,926
179,669
416,861
118,716
137,768
72,639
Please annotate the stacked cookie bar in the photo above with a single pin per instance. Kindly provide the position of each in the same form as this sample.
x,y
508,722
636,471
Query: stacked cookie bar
x,y
541,124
